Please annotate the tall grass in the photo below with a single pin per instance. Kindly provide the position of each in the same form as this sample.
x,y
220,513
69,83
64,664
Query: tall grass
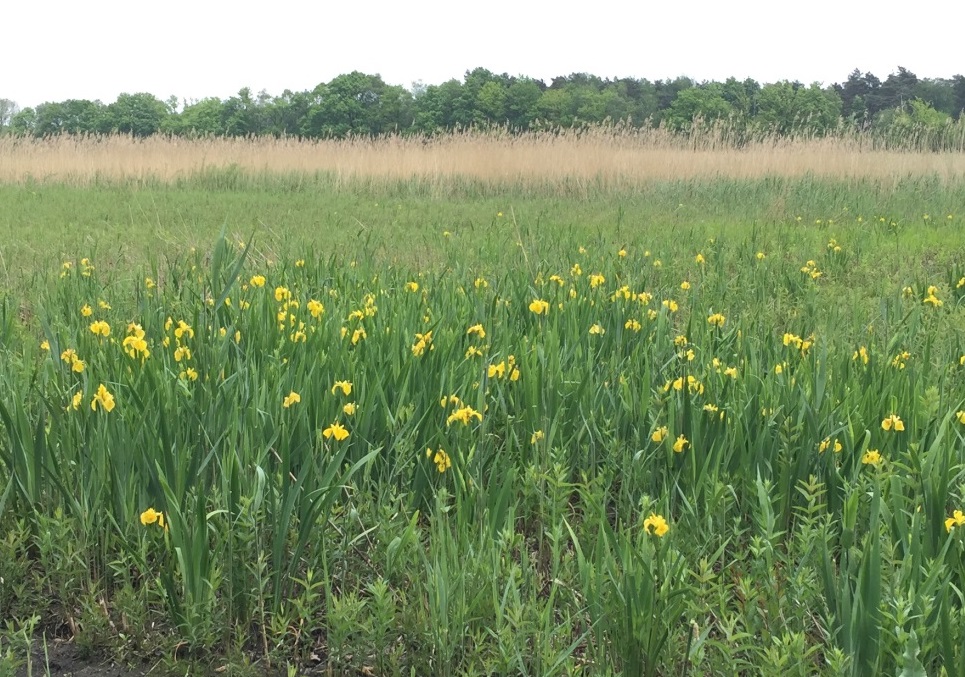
x,y
615,157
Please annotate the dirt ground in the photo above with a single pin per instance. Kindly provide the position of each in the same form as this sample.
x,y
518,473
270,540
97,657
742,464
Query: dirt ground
x,y
64,659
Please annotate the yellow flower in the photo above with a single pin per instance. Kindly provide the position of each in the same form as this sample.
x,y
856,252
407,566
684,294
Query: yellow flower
x,y
290,399
86,310
337,431
826,443
861,354
182,353
716,320
315,308
100,328
872,457
622,253
892,422
104,398
344,386
76,400
152,516
956,520
135,343
464,415
632,325
537,436
476,329
480,283
597,329
496,370
539,306
149,283
189,374
699,258
670,305
412,286
282,294
685,285
596,280
680,444
257,281
731,371
656,525
423,341
300,263
960,415
441,459
761,256
473,351
350,409
183,329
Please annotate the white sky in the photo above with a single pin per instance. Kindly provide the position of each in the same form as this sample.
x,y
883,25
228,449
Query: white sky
x,y
61,49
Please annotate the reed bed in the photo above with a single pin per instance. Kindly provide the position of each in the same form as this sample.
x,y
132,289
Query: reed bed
x,y
612,156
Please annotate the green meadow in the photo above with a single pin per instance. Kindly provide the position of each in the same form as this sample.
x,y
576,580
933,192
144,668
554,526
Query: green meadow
x,y
292,423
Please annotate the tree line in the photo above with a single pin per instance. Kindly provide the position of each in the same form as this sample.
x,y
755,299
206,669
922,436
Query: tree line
x,y
362,104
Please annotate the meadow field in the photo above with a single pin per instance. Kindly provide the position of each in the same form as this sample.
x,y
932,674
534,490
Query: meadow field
x,y
589,403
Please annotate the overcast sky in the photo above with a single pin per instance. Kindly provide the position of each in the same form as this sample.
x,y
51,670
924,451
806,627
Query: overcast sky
x,y
61,49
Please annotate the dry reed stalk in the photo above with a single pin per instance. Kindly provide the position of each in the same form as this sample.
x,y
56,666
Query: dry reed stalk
x,y
609,156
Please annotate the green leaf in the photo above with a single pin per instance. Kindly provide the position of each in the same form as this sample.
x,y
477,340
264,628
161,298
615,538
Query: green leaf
x,y
911,666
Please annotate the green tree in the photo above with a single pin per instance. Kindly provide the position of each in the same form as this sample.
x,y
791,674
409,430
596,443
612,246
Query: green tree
x,y
705,103
741,95
199,118
357,103
285,114
442,107
555,108
958,89
899,88
23,122
939,93
790,108
917,123
643,102
521,99
8,109
491,102
137,114
860,96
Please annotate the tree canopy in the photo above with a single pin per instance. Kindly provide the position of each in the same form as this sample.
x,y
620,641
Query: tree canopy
x,y
363,104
